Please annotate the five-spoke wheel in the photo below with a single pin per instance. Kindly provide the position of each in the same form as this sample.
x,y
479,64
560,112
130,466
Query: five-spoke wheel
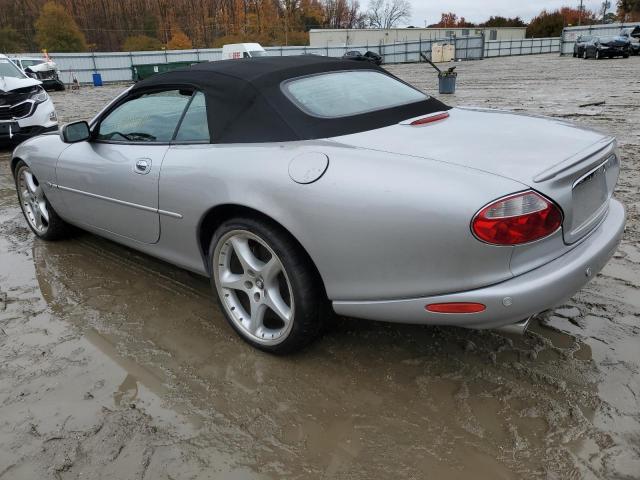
x,y
266,287
32,201
254,286
40,216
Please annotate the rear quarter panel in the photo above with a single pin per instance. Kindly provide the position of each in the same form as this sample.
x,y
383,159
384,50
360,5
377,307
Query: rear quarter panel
x,y
377,225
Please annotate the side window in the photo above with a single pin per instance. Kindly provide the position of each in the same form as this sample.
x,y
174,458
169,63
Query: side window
x,y
152,117
194,126
246,55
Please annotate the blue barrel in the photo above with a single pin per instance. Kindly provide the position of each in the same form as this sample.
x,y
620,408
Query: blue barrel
x,y
447,83
97,80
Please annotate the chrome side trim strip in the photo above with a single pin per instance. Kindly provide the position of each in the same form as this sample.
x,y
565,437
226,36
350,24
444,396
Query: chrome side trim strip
x,y
166,213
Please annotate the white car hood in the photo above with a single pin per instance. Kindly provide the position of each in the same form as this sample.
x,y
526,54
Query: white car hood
x,y
11,83
511,145
43,67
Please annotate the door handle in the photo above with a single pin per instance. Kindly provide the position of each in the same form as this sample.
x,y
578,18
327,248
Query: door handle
x,y
142,166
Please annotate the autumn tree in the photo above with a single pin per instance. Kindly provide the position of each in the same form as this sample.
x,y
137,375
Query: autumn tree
x,y
179,40
502,22
388,13
447,20
546,24
10,40
109,23
137,43
629,10
551,24
57,31
343,14
311,14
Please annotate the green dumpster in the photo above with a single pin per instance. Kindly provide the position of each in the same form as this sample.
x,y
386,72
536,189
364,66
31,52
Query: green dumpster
x,y
140,72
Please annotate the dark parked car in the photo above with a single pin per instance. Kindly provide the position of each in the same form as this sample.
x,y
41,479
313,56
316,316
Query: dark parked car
x,y
601,47
372,57
633,35
578,47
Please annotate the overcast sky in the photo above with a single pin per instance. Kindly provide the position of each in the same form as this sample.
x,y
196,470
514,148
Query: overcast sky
x,y
480,10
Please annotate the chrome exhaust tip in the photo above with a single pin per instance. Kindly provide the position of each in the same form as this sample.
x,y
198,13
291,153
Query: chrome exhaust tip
x,y
515,328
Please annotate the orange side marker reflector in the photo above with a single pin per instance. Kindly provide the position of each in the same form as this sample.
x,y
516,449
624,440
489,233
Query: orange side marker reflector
x,y
431,119
456,307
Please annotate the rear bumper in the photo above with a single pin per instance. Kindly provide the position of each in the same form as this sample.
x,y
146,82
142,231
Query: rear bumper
x,y
515,299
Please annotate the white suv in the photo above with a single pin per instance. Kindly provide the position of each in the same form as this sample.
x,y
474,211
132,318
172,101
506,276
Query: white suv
x,y
25,107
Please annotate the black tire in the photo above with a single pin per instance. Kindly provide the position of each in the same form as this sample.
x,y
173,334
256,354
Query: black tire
x,y
309,297
626,55
584,54
575,54
57,229
597,55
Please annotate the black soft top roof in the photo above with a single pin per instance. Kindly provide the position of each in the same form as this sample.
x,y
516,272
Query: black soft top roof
x,y
246,104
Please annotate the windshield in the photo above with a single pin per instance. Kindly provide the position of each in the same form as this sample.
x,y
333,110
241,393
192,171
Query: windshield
x,y
258,53
342,94
8,69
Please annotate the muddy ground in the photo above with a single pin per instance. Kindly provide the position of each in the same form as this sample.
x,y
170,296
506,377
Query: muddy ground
x,y
114,365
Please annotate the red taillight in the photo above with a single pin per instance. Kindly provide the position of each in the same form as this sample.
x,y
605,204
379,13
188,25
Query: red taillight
x,y
456,307
520,218
430,119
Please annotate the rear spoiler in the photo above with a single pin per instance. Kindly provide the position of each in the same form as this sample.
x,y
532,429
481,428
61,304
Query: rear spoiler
x,y
600,148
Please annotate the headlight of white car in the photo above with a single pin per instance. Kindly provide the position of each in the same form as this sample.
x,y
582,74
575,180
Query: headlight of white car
x,y
39,95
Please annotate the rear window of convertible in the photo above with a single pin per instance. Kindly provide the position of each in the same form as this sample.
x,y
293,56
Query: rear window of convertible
x,y
343,94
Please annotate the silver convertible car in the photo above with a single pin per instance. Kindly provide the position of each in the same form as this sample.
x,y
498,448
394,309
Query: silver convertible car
x,y
302,185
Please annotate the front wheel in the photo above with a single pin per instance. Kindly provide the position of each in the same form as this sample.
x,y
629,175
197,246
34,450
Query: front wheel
x,y
266,287
40,215
584,54
597,54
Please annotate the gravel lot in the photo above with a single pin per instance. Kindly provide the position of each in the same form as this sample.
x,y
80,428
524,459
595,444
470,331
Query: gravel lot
x,y
114,365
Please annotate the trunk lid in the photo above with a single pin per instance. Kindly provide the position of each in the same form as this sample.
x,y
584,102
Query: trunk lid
x,y
548,155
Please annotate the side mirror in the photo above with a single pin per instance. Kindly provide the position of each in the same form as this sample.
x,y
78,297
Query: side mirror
x,y
75,132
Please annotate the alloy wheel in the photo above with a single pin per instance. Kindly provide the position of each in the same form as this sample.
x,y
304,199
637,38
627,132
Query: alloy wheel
x,y
33,201
253,286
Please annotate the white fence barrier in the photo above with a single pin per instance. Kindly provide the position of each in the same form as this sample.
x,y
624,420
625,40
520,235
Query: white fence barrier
x,y
117,66
524,46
